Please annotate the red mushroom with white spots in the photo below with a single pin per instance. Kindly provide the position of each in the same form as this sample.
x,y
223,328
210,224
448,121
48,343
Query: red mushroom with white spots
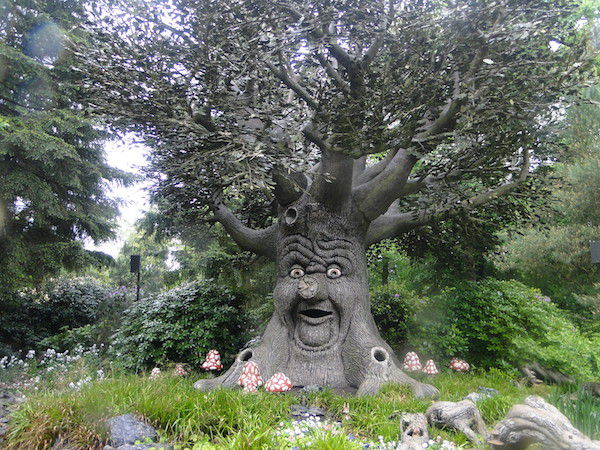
x,y
458,365
278,383
213,361
412,362
250,375
430,368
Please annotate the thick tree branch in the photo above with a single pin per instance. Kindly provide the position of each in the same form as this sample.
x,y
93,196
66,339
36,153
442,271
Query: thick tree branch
x,y
375,197
285,77
333,74
388,226
261,242
374,170
332,183
359,168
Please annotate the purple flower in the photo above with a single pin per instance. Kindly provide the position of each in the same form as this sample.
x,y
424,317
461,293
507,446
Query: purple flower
x,y
396,295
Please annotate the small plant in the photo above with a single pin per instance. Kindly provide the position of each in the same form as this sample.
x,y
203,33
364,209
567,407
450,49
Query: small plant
x,y
580,407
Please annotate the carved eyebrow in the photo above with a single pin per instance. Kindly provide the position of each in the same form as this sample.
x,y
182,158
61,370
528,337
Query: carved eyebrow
x,y
331,244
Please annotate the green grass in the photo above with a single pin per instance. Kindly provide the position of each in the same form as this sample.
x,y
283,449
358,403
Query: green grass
x,y
581,408
231,418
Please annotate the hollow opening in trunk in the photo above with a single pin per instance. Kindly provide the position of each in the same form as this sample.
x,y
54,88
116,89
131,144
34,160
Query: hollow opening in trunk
x,y
315,313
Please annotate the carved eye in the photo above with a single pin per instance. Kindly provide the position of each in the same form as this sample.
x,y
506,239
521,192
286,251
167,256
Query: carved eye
x,y
334,272
296,272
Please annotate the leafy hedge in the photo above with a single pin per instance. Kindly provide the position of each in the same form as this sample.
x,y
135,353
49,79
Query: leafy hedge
x,y
494,323
393,307
181,325
31,315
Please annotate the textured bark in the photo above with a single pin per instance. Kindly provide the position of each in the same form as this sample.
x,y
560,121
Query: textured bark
x,y
536,421
322,331
414,433
462,416
536,374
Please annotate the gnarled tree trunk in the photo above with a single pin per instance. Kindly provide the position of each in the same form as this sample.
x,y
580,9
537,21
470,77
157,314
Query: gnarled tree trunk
x,y
322,331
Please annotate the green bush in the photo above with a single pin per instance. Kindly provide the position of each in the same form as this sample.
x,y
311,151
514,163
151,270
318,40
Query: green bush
x,y
181,325
503,324
393,306
31,315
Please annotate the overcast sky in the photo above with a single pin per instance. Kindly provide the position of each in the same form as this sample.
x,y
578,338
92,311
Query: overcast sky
x,y
131,157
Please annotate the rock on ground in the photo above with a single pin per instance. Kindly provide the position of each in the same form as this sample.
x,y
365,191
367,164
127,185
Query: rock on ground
x,y
127,429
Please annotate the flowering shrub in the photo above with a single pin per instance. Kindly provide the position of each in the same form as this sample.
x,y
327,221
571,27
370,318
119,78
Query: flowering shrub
x,y
181,325
52,369
30,315
495,323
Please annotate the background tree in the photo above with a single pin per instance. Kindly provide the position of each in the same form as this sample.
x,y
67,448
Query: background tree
x,y
453,99
555,256
53,172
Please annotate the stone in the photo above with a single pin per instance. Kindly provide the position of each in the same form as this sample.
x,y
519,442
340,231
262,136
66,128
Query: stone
x,y
300,412
127,429
151,446
482,393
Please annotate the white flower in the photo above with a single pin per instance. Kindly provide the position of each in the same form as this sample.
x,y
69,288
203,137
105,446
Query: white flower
x,y
30,354
488,61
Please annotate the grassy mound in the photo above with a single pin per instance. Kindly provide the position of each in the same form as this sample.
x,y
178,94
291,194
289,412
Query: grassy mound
x,y
233,419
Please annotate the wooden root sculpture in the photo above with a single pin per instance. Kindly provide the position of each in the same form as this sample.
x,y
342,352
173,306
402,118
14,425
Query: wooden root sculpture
x,y
462,416
322,331
536,421
414,431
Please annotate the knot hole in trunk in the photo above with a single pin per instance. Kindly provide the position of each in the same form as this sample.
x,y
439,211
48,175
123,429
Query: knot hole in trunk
x,y
291,214
245,355
379,354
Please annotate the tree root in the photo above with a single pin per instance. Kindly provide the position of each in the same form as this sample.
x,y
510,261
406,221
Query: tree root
x,y
414,433
381,369
462,416
536,421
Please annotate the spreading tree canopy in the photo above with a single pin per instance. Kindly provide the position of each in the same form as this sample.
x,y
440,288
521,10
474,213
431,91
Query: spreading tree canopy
x,y
435,107
53,171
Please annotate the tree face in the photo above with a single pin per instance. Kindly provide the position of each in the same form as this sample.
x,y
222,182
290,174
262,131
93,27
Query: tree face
x,y
321,284
322,280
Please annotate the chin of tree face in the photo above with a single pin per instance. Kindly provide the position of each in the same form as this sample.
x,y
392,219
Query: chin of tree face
x,y
358,122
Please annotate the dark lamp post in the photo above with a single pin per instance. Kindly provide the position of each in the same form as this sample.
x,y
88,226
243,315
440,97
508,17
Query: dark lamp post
x,y
134,267
595,251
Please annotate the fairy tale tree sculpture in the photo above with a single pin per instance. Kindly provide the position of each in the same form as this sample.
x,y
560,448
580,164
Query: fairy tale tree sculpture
x,y
363,120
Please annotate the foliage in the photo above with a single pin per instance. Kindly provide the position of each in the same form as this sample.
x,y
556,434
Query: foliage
x,y
580,407
504,324
557,261
556,258
181,325
393,307
52,166
33,314
278,85
233,419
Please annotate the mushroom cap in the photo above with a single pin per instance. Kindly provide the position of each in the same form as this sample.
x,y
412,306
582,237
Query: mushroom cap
x,y
412,362
430,368
458,365
213,361
250,373
278,383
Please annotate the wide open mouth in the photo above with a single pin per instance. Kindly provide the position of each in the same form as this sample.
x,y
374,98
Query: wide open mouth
x,y
316,324
315,313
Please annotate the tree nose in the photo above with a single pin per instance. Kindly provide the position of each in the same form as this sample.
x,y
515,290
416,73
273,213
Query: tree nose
x,y
312,287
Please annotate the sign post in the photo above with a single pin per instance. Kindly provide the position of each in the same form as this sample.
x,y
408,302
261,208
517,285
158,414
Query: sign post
x,y
134,267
